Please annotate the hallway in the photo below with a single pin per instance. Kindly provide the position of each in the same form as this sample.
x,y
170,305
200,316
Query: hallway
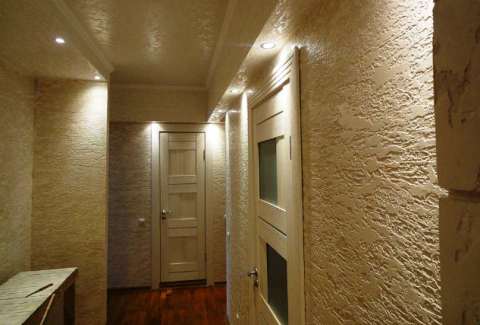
x,y
167,306
320,158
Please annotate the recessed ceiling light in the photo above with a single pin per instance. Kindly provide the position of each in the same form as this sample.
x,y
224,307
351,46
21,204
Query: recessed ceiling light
x,y
235,91
97,77
268,45
60,40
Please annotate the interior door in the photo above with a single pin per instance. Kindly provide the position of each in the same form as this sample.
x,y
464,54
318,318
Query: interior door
x,y
275,277
182,188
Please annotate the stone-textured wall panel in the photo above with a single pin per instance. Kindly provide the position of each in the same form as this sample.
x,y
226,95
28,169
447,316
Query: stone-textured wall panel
x,y
70,188
130,184
369,161
146,104
460,260
457,93
16,163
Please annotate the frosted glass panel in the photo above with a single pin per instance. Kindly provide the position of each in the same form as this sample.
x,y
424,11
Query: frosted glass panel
x,y
277,284
267,156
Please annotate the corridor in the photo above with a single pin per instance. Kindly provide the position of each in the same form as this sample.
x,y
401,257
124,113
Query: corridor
x,y
240,162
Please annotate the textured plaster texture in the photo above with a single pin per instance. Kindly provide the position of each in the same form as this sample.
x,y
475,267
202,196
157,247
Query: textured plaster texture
x,y
370,187
27,30
130,183
130,194
237,214
457,108
16,163
144,104
215,140
70,187
155,42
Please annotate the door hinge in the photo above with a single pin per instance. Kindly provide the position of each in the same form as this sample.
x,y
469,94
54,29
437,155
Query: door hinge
x,y
203,154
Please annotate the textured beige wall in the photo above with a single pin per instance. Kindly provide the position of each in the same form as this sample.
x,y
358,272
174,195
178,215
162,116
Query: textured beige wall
x,y
215,183
457,98
70,187
130,183
237,213
145,104
16,163
370,187
130,194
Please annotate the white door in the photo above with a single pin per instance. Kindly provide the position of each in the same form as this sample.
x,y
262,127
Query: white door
x,y
182,190
277,275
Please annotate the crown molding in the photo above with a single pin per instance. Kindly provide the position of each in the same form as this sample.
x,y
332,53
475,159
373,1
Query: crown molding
x,y
81,38
157,87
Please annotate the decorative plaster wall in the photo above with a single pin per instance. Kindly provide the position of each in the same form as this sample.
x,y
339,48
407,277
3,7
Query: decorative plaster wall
x,y
457,108
130,195
70,187
16,163
215,182
129,239
146,104
370,186
237,214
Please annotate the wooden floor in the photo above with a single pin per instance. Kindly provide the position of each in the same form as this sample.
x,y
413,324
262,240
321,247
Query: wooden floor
x,y
189,305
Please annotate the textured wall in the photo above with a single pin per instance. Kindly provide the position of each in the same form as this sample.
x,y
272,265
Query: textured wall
x,y
130,194
370,187
69,188
16,163
237,214
144,104
457,108
215,182
130,182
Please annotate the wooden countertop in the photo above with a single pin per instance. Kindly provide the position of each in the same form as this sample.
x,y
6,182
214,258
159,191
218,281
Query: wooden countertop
x,y
25,293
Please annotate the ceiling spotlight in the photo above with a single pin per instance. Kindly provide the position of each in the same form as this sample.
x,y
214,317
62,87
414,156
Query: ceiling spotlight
x,y
97,77
268,45
60,40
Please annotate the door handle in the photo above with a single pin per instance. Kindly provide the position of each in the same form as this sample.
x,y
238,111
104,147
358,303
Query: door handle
x,y
164,213
253,274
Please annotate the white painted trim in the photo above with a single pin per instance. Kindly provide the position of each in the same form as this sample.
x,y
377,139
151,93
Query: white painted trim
x,y
78,35
158,87
229,11
209,155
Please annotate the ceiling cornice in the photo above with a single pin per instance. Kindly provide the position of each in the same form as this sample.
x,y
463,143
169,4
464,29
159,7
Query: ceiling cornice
x,y
81,38
158,87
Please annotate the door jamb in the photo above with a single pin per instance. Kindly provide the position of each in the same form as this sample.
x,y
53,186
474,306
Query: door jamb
x,y
156,128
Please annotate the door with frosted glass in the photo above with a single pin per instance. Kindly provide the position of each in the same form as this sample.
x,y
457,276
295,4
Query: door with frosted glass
x,y
271,151
182,177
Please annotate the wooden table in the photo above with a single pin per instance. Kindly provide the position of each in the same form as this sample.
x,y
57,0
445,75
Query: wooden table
x,y
39,297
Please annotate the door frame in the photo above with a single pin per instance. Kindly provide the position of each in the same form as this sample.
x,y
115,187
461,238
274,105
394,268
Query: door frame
x,y
157,128
285,72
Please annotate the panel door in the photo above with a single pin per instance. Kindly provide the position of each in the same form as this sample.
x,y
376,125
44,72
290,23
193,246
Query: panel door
x,y
271,152
182,177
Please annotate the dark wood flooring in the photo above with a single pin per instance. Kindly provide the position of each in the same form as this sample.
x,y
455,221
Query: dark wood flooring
x,y
180,305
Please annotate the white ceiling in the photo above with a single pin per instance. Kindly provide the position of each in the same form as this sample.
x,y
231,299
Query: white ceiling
x,y
162,42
